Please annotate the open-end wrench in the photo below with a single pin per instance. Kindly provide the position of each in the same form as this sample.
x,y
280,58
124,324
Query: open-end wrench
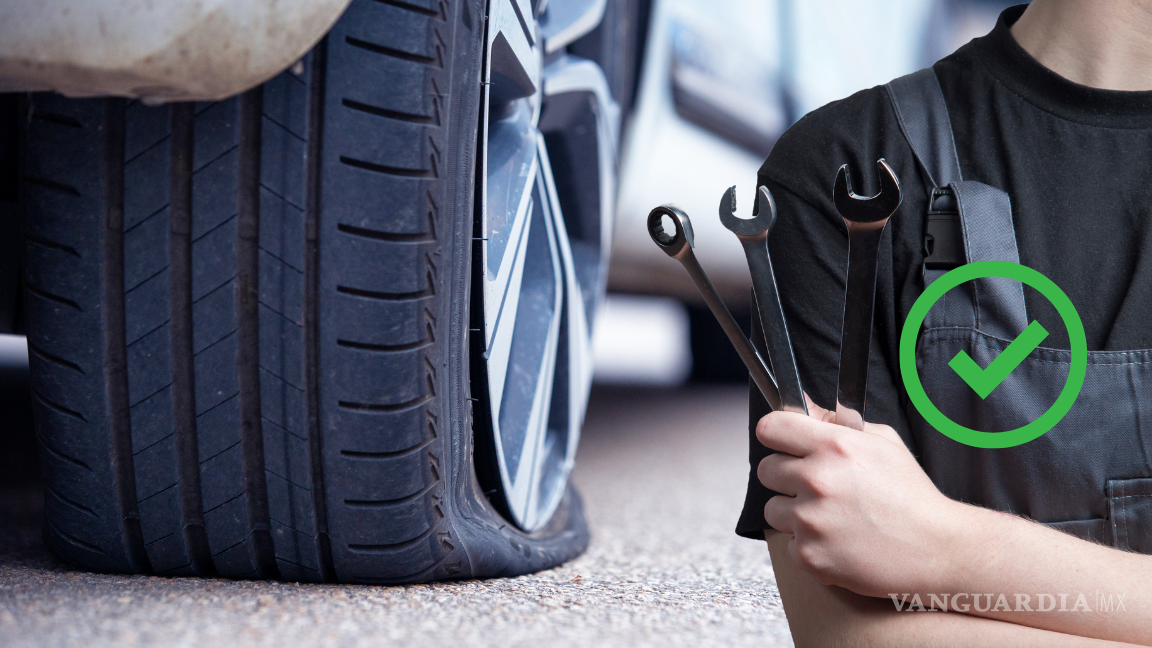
x,y
678,245
753,235
866,219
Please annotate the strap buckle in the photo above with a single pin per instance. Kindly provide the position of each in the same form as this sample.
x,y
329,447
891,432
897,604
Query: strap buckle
x,y
944,235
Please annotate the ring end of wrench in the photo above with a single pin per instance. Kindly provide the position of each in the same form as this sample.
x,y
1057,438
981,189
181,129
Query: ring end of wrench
x,y
681,237
678,245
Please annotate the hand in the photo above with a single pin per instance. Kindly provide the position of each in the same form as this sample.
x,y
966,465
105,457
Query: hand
x,y
861,512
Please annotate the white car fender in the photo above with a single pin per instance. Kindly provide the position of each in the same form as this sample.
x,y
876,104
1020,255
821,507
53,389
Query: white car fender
x,y
158,50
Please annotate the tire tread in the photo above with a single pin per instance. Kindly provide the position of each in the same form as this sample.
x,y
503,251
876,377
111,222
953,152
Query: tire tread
x,y
246,323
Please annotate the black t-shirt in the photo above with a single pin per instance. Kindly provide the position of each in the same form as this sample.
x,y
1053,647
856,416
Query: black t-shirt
x,y
1074,161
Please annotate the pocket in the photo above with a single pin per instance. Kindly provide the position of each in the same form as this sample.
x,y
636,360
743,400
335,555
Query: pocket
x,y
1130,514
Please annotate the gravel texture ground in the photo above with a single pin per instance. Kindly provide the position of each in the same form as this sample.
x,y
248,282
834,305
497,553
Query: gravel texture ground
x,y
662,473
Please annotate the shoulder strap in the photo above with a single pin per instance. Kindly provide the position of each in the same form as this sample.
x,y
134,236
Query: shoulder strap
x,y
986,216
993,305
923,116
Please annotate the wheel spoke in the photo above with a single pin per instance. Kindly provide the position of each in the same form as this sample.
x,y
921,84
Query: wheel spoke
x,y
572,379
580,111
513,62
566,20
511,174
526,397
502,300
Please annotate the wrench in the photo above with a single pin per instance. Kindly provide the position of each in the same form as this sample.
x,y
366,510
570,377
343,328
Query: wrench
x,y
678,245
753,234
865,219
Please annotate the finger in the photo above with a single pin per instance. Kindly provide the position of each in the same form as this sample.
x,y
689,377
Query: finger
x,y
780,472
817,412
795,434
778,513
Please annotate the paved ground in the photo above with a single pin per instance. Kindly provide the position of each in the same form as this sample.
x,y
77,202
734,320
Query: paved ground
x,y
662,474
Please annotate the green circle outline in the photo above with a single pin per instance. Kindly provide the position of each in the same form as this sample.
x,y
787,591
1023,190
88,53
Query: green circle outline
x,y
1076,336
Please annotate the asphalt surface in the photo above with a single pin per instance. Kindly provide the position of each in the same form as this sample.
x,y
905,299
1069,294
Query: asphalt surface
x,y
662,473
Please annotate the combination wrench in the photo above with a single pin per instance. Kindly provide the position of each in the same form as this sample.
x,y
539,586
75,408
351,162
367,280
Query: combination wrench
x,y
865,219
678,245
753,234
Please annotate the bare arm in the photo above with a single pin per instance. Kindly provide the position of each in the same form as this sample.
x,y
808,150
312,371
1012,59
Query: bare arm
x,y
860,513
1102,591
827,615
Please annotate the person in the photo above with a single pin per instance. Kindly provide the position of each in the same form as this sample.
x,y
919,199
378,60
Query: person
x,y
1043,544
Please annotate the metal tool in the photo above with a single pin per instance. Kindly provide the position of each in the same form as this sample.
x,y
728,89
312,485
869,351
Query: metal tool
x,y
678,245
866,219
753,235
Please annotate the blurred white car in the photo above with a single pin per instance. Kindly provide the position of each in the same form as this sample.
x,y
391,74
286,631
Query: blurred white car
x,y
723,79
720,81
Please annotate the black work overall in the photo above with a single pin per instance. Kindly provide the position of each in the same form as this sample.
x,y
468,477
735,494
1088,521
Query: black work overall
x,y
1090,475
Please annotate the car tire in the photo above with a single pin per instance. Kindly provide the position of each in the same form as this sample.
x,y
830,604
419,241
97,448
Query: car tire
x,y
249,320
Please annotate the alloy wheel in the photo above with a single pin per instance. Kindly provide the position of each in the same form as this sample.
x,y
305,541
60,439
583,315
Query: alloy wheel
x,y
545,198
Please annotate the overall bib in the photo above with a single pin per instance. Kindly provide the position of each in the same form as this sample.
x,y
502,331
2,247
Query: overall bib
x,y
1090,475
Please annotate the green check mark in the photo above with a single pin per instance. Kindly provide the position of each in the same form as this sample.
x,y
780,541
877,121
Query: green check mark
x,y
983,381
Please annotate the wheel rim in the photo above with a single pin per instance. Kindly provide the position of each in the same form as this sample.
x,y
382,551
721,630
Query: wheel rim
x,y
539,276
